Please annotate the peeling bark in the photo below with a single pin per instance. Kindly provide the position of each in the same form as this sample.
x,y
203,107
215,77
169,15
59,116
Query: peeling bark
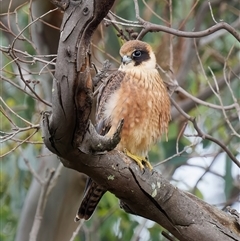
x,y
68,133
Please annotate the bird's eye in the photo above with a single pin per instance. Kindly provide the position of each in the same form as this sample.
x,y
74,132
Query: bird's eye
x,y
137,53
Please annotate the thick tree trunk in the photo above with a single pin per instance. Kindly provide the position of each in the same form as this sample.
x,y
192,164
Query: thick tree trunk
x,y
58,219
69,134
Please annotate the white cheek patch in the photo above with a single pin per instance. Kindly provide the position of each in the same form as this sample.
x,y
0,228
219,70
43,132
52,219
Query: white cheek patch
x,y
126,66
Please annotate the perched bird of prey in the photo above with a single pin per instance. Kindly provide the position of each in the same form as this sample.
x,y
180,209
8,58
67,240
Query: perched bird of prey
x,y
137,94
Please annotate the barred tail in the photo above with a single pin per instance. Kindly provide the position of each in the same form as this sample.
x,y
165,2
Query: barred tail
x,y
92,195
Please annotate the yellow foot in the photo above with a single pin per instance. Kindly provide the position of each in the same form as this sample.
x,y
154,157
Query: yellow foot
x,y
139,160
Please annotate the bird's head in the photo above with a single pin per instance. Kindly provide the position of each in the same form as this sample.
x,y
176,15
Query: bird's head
x,y
136,53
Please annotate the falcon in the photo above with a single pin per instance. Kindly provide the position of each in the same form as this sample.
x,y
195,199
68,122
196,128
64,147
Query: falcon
x,y
136,94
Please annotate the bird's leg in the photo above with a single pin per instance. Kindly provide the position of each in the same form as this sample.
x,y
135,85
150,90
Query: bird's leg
x,y
139,160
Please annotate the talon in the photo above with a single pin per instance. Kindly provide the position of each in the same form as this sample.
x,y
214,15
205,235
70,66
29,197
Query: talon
x,y
139,160
148,164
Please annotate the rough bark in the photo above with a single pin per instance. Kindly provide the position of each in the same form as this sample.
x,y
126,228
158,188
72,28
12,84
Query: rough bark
x,y
58,220
68,133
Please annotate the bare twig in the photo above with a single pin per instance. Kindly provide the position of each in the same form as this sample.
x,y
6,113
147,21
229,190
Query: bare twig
x,y
217,94
13,112
237,105
75,233
201,102
21,89
206,136
137,232
34,173
120,31
20,143
41,206
31,23
46,188
115,23
9,136
170,38
154,13
149,27
122,19
180,135
206,171
210,38
210,7
29,87
179,153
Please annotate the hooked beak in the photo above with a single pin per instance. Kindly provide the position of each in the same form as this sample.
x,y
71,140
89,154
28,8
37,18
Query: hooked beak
x,y
126,59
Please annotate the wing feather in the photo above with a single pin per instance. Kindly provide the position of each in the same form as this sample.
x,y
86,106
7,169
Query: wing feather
x,y
112,83
93,192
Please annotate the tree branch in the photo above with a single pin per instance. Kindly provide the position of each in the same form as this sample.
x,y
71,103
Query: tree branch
x,y
66,131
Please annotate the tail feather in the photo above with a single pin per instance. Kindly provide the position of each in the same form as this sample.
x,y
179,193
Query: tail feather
x,y
92,195
93,192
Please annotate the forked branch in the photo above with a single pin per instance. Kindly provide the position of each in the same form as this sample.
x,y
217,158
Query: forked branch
x,y
67,133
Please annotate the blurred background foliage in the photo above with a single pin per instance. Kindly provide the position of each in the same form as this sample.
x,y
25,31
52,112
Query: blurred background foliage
x,y
28,54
